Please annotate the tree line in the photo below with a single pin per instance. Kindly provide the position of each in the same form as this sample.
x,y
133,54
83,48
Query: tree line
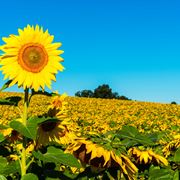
x,y
102,91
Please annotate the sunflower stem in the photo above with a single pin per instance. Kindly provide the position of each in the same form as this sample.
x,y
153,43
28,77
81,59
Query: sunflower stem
x,y
24,121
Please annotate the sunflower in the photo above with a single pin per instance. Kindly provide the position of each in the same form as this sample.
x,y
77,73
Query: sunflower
x,y
68,138
30,59
50,131
99,157
19,147
57,106
171,146
6,132
147,157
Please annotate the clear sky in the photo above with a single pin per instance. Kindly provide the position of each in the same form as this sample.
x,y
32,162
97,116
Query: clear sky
x,y
132,45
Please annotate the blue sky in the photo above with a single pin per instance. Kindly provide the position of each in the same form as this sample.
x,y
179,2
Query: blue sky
x,y
134,46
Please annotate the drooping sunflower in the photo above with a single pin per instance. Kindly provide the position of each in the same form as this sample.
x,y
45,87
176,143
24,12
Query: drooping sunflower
x,y
147,157
30,59
50,131
99,157
171,146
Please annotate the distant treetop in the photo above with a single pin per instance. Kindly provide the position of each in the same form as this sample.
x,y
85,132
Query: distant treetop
x,y
102,91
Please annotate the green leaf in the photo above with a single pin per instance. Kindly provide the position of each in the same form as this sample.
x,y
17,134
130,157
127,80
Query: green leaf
x,y
57,156
29,176
3,126
38,120
6,102
30,130
131,136
13,100
160,174
3,164
176,175
32,127
2,177
11,168
1,137
41,92
33,122
6,85
177,155
21,128
8,168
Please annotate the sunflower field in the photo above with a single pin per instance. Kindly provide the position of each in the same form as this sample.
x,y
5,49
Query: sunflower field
x,y
111,139
46,135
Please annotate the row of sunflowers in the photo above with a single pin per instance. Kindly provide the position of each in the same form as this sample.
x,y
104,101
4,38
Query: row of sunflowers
x,y
44,135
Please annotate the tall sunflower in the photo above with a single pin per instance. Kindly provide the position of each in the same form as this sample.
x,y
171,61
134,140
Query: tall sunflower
x,y
30,59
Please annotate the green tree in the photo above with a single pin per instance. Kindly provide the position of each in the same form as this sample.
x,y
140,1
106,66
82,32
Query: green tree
x,y
84,93
173,102
103,91
123,98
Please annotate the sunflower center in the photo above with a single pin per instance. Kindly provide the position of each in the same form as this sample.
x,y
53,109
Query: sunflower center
x,y
33,57
48,126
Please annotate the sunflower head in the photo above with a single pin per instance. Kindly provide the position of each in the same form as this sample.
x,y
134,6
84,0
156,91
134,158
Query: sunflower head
x,y
58,106
101,158
50,131
147,157
30,59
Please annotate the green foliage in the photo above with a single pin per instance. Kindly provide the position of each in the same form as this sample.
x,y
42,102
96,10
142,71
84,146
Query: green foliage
x,y
22,129
177,156
2,177
8,101
162,174
3,164
7,168
30,130
130,137
29,176
1,137
33,122
57,156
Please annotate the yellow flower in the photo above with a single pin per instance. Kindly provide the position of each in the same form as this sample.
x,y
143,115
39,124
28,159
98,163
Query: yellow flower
x,y
13,157
98,157
29,148
50,131
147,157
177,136
6,132
171,146
58,106
68,138
30,59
